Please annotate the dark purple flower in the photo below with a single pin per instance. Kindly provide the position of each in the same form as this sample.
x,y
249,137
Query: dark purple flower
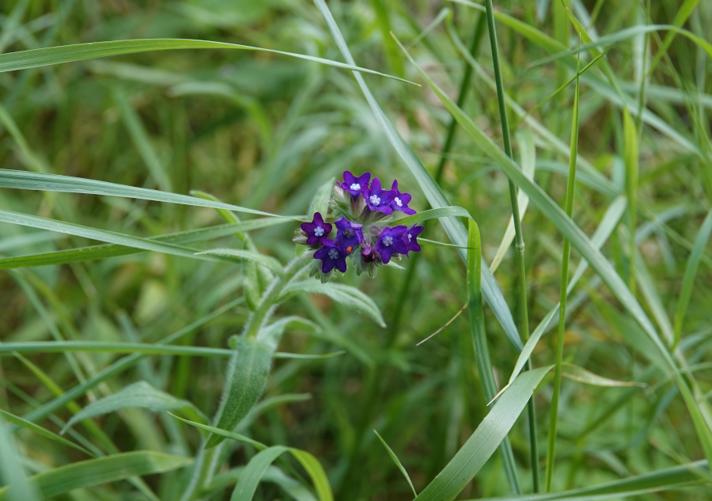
x,y
349,235
331,256
368,253
317,231
410,237
391,240
355,185
378,199
400,201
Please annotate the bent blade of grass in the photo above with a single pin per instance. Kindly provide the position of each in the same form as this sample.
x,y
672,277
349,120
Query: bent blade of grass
x,y
586,248
103,470
25,180
267,261
470,458
397,462
252,474
219,431
48,56
454,228
138,395
43,432
103,251
581,375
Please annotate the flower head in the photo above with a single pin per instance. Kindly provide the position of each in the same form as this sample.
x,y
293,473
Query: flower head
x,y
355,186
391,240
331,256
349,235
400,200
378,199
367,234
317,231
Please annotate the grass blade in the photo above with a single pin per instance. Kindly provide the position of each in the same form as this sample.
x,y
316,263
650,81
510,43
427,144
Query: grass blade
x,y
397,462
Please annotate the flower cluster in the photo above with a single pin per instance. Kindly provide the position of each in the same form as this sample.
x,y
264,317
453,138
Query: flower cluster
x,y
362,211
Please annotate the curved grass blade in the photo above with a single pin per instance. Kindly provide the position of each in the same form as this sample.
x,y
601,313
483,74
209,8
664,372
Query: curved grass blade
x,y
219,431
138,395
29,425
261,259
341,293
103,470
252,474
397,462
581,375
493,429
104,251
454,228
48,56
25,180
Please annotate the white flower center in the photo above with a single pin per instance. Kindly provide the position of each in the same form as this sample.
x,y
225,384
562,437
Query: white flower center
x,y
333,254
388,241
398,202
319,231
355,186
410,237
375,200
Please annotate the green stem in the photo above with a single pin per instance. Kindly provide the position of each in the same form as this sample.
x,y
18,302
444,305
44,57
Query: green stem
x,y
207,459
568,206
518,238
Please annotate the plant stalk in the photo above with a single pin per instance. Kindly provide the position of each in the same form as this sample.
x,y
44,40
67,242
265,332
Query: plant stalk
x,y
518,238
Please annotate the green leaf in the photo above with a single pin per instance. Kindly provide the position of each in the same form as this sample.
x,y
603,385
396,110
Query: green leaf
x,y
493,429
344,294
397,462
426,215
252,474
100,471
245,382
48,56
29,425
224,433
138,395
581,375
434,195
25,180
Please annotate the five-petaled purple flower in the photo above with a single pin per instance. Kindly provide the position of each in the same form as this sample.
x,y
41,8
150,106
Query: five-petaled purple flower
x,y
367,231
331,256
391,241
349,235
411,238
378,199
355,186
400,201
317,231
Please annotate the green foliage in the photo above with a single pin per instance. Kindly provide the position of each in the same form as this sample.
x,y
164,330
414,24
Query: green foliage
x,y
161,337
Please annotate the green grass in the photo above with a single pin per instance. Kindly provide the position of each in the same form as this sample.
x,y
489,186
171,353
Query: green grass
x,y
160,338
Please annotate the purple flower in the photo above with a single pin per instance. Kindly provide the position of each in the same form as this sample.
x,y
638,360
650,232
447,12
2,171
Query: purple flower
x,y
391,240
331,256
349,235
317,231
355,185
399,201
368,253
378,199
410,237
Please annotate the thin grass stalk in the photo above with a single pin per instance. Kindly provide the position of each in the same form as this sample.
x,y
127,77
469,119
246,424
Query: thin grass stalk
x,y
521,274
375,382
568,207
